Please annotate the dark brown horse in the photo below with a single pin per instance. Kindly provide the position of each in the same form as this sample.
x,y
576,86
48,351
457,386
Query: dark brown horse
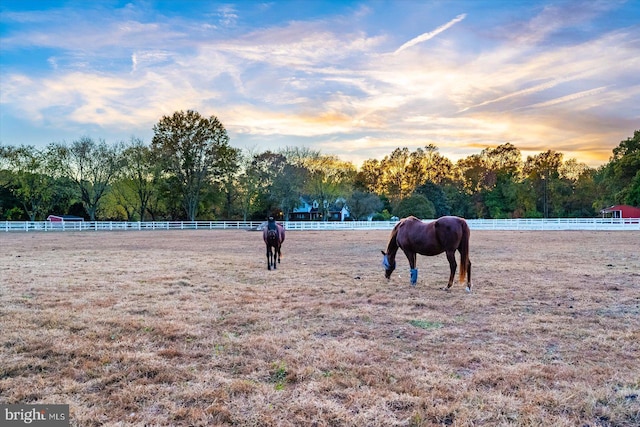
x,y
273,236
446,234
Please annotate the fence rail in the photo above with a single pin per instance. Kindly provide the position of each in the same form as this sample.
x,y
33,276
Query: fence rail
x,y
474,224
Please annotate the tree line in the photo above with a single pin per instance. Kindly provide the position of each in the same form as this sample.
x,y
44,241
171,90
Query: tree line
x,y
190,171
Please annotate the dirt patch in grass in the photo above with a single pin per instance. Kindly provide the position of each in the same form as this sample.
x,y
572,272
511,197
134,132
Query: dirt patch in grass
x,y
189,328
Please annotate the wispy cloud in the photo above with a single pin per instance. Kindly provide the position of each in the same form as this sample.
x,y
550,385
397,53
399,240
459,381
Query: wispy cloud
x,y
428,36
568,98
523,92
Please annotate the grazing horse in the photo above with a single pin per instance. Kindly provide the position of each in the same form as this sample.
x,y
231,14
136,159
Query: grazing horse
x,y
446,234
273,236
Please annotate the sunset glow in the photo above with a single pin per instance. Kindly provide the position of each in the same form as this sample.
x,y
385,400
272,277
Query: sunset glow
x,y
352,79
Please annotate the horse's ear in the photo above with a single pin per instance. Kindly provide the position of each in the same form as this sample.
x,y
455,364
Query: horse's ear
x,y
382,252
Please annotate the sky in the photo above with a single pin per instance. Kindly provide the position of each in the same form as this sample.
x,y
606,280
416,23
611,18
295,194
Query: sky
x,y
354,79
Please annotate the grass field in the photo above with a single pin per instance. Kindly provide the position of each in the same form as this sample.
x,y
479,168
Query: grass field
x,y
189,328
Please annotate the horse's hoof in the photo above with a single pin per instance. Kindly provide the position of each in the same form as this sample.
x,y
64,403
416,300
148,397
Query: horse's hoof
x,y
468,289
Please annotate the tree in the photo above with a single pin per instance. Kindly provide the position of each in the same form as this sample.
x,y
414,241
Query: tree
x,y
224,180
633,193
428,165
395,182
32,185
501,182
434,193
627,147
248,185
458,199
504,159
416,205
139,174
91,165
192,149
369,177
362,205
267,169
617,181
542,171
288,187
501,200
329,178
578,190
9,209
493,180
473,170
120,203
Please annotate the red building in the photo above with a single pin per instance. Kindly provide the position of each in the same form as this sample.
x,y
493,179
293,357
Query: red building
x,y
63,218
621,211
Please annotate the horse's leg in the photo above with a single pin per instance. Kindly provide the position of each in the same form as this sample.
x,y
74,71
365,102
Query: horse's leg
x,y
279,247
469,276
412,257
275,255
268,257
451,256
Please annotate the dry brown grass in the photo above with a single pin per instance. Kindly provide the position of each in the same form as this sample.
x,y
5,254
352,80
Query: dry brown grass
x,y
189,328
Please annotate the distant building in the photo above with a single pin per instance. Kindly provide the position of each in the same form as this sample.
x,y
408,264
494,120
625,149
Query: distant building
x,y
64,218
309,210
621,211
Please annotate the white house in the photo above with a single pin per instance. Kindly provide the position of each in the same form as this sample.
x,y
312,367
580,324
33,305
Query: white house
x,y
309,210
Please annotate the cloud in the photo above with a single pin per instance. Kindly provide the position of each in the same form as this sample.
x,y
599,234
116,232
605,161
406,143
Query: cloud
x,y
509,78
311,81
428,36
228,15
568,98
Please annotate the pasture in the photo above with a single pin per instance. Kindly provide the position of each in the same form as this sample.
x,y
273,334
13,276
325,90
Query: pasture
x,y
189,328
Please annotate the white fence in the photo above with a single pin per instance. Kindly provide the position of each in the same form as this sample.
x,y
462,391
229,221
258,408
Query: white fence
x,y
474,224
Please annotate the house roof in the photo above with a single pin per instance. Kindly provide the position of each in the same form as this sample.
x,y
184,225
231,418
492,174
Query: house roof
x,y
65,217
629,211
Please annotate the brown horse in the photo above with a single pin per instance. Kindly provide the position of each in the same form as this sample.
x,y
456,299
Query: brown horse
x,y
446,234
273,236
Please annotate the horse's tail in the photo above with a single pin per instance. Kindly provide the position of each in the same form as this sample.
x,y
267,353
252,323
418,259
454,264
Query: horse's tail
x,y
464,250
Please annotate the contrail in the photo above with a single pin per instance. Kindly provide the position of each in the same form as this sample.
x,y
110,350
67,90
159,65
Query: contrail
x,y
570,97
427,36
532,90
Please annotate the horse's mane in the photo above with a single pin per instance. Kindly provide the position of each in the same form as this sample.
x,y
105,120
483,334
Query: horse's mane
x,y
392,246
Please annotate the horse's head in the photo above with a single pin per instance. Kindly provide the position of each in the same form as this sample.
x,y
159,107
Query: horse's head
x,y
272,235
389,264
